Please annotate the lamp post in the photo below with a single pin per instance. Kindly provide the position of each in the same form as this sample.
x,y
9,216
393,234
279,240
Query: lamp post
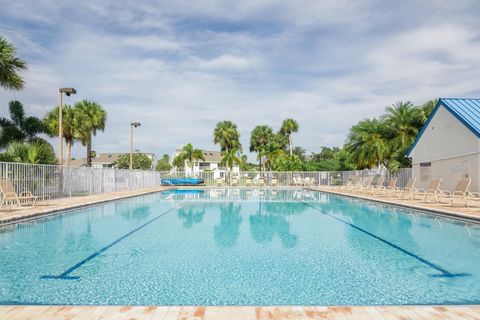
x,y
132,125
68,92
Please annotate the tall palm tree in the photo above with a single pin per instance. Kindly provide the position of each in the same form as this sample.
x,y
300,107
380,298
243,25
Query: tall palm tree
x,y
190,154
89,117
69,129
227,136
230,158
289,126
259,139
10,65
424,112
368,143
402,119
19,127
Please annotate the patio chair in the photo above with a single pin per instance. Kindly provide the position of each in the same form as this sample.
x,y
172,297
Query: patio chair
x,y
219,182
389,188
409,188
473,197
376,186
297,181
248,181
364,185
9,194
274,182
433,190
461,192
261,182
351,183
234,181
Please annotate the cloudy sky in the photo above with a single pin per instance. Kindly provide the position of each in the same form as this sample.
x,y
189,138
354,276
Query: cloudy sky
x,y
179,67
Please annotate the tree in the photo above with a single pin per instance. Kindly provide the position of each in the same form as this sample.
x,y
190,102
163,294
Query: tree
x,y
368,143
19,127
300,153
289,163
289,126
33,152
402,119
10,65
190,154
259,139
230,158
88,119
227,136
271,152
424,111
163,164
69,128
140,161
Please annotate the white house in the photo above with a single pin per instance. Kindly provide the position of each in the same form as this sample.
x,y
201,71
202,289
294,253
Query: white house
x,y
211,163
448,146
107,160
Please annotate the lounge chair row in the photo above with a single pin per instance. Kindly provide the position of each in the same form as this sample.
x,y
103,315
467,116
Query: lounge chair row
x,y
460,194
10,196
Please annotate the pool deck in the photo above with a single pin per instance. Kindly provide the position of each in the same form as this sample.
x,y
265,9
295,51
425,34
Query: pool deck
x,y
239,313
12,214
455,211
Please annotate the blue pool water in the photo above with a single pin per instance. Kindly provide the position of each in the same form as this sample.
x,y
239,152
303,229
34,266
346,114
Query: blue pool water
x,y
240,247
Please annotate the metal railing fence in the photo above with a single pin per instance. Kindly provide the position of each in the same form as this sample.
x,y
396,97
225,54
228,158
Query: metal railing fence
x,y
63,181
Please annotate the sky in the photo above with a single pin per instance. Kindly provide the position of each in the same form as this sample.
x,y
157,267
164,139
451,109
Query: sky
x,y
179,67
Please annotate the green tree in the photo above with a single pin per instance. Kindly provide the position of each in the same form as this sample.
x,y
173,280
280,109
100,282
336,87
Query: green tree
x,y
424,112
368,143
289,126
259,139
271,152
163,164
289,163
89,118
189,154
33,152
227,136
69,129
10,66
230,158
300,153
140,161
402,119
19,127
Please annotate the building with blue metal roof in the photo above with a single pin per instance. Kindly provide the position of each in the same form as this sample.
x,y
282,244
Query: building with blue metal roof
x,y
448,146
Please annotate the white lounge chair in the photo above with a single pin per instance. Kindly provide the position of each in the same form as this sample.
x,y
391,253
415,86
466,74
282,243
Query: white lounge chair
x,y
433,190
10,195
461,192
408,189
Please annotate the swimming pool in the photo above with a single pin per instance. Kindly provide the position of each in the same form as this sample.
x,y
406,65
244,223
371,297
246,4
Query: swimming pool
x,y
240,247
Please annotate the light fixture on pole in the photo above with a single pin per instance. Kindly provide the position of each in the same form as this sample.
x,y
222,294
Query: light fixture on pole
x,y
68,92
132,125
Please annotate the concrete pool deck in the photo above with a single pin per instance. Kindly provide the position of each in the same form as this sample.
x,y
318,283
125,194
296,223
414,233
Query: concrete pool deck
x,y
239,313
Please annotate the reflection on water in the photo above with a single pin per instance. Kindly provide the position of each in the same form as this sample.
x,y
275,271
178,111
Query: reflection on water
x,y
227,231
191,215
270,220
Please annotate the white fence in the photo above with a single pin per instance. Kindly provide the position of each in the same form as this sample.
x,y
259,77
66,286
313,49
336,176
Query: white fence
x,y
63,181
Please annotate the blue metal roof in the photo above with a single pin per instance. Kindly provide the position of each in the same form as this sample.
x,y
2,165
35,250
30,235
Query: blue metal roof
x,y
467,111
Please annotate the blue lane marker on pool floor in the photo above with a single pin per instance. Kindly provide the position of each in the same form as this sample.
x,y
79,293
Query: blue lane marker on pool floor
x,y
444,273
66,274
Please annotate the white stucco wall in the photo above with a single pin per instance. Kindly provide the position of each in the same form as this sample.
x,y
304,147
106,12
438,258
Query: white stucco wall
x,y
451,148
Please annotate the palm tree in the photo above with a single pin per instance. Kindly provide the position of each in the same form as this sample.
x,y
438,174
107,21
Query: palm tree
x,y
259,138
69,129
402,119
368,143
34,152
19,127
424,112
230,158
89,117
288,127
271,152
191,154
227,136
10,65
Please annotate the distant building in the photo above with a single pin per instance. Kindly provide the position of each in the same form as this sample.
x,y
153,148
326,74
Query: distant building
x,y
106,160
211,163
448,146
